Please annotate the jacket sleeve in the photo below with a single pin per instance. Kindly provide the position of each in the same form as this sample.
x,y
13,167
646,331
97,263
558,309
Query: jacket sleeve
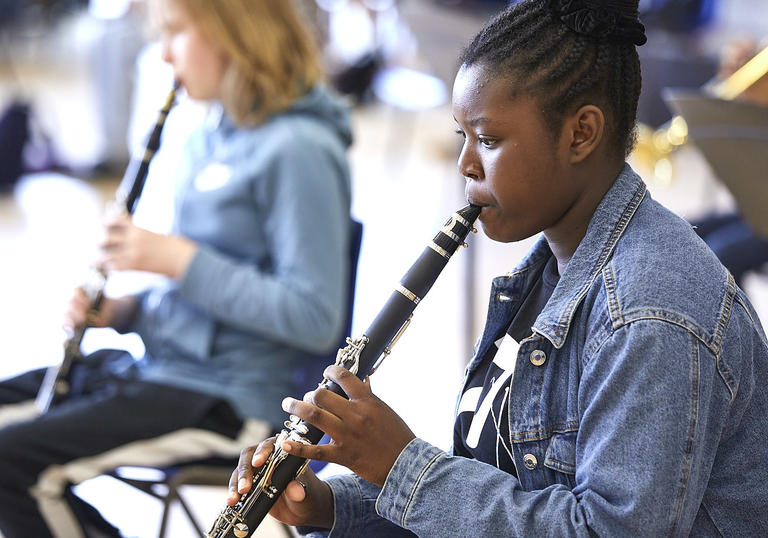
x,y
300,300
354,502
651,400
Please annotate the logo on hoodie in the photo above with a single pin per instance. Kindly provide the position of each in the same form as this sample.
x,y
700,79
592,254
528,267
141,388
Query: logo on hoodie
x,y
212,177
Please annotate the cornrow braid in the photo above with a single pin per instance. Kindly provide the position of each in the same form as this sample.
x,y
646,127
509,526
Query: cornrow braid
x,y
567,53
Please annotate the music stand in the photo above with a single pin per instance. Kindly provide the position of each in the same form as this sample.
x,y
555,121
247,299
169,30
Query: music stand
x,y
733,138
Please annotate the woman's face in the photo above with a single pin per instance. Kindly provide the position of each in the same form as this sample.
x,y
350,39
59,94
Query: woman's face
x,y
198,64
513,166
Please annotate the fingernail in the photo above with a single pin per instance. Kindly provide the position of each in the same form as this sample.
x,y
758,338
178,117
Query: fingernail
x,y
286,404
286,447
241,483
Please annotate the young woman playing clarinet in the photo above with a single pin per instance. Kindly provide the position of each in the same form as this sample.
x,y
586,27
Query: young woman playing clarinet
x,y
256,271
618,386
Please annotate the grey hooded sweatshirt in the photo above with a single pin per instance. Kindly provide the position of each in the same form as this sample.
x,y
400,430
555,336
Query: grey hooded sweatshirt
x,y
266,292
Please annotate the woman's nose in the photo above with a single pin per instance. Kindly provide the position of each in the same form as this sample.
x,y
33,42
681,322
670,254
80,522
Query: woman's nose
x,y
165,51
468,164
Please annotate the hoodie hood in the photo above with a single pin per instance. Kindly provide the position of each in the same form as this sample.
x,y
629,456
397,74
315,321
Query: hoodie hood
x,y
326,107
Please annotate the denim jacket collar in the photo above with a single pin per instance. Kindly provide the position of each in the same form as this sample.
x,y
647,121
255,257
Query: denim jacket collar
x,y
605,228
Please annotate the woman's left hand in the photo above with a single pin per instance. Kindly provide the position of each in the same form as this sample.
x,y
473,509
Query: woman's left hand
x,y
366,435
128,247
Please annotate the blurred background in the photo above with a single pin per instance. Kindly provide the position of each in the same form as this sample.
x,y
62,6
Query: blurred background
x,y
80,85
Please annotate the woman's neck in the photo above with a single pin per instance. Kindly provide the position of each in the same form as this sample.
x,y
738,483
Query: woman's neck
x,y
565,236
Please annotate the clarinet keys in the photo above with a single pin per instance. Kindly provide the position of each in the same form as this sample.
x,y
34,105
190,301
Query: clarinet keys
x,y
241,530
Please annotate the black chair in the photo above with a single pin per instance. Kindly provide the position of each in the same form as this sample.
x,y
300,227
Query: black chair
x,y
217,471
165,487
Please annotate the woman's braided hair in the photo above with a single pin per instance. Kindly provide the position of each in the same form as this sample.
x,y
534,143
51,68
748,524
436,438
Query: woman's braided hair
x,y
568,53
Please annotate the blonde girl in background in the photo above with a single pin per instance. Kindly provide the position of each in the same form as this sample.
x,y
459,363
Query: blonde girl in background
x,y
255,266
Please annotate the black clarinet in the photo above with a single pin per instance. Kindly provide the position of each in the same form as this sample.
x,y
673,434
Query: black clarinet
x,y
361,356
56,383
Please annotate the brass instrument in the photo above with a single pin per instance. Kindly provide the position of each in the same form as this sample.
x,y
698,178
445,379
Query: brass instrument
x,y
655,146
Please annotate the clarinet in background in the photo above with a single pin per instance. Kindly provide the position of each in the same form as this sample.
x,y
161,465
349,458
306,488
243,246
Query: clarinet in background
x,y
56,383
361,356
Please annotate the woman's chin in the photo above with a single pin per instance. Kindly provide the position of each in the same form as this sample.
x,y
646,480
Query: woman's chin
x,y
502,235
492,233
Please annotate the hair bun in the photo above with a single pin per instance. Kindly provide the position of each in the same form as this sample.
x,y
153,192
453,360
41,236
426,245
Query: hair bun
x,y
602,19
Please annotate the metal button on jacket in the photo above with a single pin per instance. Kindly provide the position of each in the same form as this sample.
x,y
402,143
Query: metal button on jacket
x,y
530,462
538,357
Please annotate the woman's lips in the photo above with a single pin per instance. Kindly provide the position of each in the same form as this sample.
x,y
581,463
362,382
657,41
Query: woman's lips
x,y
474,200
474,197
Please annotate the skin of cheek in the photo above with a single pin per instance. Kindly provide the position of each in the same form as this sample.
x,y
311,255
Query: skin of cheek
x,y
512,217
206,65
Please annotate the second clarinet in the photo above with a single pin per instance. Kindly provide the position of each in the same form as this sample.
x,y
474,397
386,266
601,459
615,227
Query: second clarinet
x,y
56,383
361,356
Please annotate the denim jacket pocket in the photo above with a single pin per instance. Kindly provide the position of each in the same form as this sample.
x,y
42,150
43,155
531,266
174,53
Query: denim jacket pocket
x,y
561,453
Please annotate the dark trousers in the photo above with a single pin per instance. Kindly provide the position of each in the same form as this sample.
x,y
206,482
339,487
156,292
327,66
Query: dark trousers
x,y
734,243
110,420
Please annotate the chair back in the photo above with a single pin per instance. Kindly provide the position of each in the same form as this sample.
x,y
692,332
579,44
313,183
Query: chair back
x,y
314,373
310,376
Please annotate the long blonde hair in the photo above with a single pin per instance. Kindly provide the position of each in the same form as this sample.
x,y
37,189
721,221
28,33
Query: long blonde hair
x,y
273,58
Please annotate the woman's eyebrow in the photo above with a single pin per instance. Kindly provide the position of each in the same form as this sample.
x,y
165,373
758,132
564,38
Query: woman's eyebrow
x,y
474,121
478,120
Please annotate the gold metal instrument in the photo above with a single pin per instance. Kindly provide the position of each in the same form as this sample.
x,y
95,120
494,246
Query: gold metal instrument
x,y
655,147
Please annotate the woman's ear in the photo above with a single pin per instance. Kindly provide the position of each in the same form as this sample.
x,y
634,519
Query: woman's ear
x,y
585,129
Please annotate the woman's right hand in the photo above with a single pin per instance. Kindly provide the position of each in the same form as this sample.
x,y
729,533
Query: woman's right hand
x,y
305,501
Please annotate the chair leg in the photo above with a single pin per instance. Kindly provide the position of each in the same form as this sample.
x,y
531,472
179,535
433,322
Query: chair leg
x,y
167,505
190,516
167,502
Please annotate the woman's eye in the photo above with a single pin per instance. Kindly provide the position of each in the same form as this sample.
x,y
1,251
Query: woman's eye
x,y
487,141
461,133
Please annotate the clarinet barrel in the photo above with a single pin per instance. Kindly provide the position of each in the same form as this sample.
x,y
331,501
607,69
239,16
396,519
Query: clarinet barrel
x,y
361,356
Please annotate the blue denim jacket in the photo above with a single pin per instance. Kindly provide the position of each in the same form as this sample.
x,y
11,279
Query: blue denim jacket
x,y
638,405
